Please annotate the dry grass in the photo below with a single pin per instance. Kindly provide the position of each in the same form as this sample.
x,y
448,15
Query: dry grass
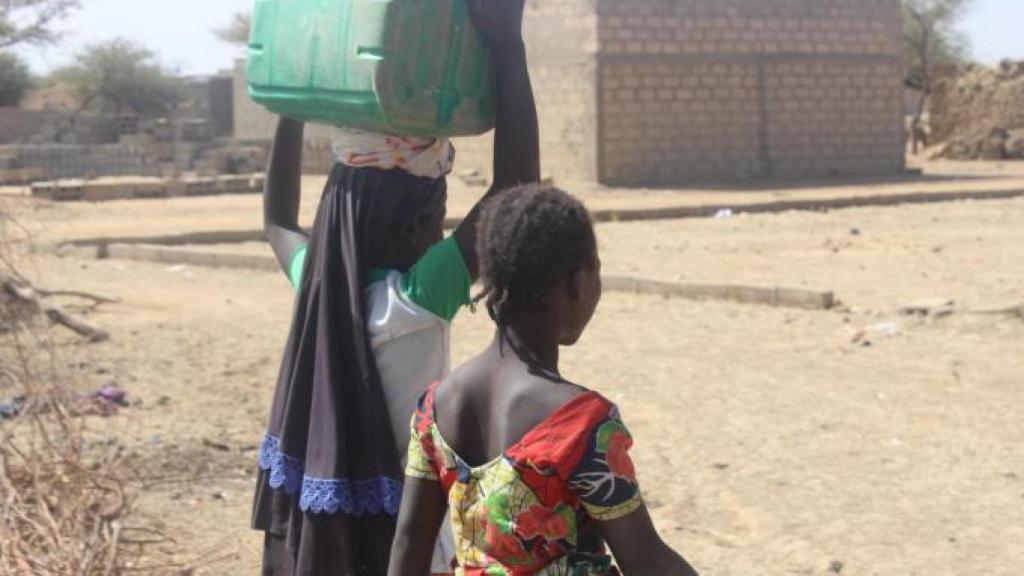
x,y
65,503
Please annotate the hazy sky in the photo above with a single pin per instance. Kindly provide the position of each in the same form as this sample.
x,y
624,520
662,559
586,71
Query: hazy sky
x,y
994,27
180,31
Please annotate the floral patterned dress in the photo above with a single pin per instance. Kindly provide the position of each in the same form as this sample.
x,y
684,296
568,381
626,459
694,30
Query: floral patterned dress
x,y
534,510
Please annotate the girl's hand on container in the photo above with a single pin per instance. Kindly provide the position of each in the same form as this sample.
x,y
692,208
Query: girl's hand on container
x,y
499,21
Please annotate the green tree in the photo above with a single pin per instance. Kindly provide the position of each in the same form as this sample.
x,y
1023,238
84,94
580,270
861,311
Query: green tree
x,y
32,21
120,76
15,79
931,40
237,32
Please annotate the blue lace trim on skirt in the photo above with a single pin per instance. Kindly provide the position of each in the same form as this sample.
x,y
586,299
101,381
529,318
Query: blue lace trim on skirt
x,y
328,495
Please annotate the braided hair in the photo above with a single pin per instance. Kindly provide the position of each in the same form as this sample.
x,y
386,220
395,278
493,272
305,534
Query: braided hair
x,y
528,238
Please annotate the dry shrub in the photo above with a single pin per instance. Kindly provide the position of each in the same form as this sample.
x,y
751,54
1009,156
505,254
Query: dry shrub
x,y
12,312
62,508
65,507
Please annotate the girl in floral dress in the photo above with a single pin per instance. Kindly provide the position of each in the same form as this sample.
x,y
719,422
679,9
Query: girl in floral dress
x,y
534,469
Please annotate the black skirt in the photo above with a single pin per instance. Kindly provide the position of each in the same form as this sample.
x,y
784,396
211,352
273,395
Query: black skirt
x,y
329,486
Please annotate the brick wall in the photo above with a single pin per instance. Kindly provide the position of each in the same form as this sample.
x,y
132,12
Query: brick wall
x,y
834,117
694,90
664,123
561,42
80,160
745,27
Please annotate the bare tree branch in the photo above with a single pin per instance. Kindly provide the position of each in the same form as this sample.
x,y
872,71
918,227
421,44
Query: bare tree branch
x,y
237,32
32,21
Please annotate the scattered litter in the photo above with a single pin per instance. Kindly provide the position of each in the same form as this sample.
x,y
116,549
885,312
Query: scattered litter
x,y
888,329
724,214
112,394
882,330
103,402
12,408
177,268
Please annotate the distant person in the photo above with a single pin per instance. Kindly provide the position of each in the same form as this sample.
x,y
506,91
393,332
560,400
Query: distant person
x,y
376,289
919,133
534,469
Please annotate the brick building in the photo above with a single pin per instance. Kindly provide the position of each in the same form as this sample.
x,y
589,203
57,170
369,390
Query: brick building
x,y
667,92
663,92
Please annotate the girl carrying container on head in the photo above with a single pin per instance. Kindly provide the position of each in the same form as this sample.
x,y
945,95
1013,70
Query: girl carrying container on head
x,y
376,289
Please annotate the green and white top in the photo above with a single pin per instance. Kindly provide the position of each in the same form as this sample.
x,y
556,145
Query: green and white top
x,y
439,282
409,322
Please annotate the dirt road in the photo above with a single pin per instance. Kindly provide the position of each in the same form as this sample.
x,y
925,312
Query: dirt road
x,y
768,441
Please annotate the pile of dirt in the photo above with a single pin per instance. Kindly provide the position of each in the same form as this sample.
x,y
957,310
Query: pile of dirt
x,y
977,112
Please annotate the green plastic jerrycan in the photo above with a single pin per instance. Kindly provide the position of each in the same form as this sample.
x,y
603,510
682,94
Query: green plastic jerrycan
x,y
411,67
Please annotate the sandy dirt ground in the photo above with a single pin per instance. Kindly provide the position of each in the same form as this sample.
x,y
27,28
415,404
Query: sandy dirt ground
x,y
132,218
872,258
768,440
